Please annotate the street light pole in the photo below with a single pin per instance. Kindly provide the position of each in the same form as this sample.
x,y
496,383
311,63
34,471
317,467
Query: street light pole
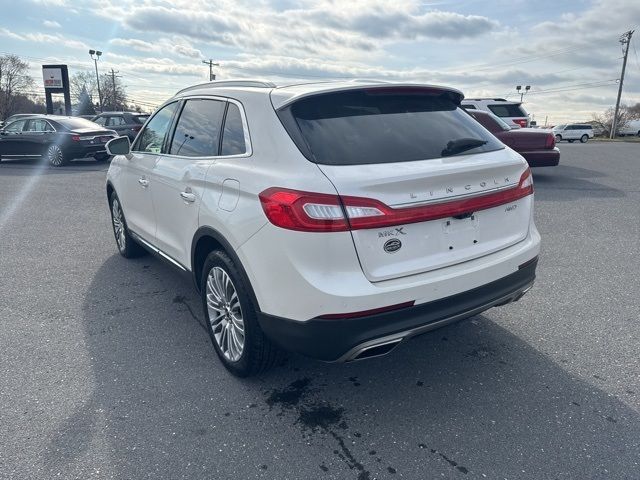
x,y
95,61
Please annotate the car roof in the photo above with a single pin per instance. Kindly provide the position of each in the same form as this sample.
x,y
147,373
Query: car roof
x,y
471,101
286,94
120,113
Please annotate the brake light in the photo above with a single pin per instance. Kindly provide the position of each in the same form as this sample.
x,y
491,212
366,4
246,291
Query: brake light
x,y
550,141
320,212
521,121
75,138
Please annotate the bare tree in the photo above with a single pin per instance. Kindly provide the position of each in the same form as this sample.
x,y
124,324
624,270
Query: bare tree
x,y
15,82
605,119
634,111
81,84
114,97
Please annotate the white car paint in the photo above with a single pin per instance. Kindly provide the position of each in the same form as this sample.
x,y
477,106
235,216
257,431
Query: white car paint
x,y
301,275
573,131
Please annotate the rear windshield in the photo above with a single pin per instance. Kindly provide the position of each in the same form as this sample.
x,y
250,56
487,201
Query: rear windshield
x,y
76,122
507,110
368,126
140,118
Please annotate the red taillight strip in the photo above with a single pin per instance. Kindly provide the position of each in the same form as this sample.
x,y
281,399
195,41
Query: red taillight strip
x,y
424,213
366,313
285,208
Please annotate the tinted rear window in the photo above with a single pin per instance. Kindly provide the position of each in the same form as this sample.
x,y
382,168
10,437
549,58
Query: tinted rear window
x,y
507,110
76,122
368,126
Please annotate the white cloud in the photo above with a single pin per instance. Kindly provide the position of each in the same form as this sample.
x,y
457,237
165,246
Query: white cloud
x,y
51,24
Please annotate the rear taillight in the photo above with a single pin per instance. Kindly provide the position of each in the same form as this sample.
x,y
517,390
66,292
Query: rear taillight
x,y
521,121
303,211
320,212
75,138
550,141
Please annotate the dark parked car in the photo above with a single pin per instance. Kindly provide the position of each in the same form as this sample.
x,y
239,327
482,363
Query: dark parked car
x,y
125,123
58,139
538,147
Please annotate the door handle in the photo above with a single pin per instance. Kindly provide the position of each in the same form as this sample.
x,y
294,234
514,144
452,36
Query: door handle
x,y
188,197
144,182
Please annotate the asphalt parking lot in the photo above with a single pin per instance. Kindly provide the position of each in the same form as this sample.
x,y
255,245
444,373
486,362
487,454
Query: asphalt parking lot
x,y
106,370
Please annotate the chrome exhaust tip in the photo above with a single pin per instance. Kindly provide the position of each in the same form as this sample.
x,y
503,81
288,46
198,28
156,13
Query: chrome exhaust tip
x,y
375,350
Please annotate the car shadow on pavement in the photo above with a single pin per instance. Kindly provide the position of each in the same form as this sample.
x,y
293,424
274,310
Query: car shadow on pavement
x,y
24,168
471,398
566,182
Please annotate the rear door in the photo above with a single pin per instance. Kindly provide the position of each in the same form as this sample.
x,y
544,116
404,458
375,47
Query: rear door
x,y
179,175
408,155
39,133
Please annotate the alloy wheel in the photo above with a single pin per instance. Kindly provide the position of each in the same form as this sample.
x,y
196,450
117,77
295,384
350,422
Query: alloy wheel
x,y
118,225
225,314
55,155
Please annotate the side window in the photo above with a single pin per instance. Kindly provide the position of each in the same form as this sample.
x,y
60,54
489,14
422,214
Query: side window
x,y
152,137
100,120
16,126
39,125
198,130
115,121
233,134
469,107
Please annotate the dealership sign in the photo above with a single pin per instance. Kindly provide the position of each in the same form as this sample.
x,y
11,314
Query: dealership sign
x,y
52,77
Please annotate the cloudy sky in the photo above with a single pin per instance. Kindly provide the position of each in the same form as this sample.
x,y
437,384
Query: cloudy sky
x,y
568,51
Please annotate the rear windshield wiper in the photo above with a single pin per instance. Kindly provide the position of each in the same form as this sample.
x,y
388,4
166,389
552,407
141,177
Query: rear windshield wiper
x,y
461,145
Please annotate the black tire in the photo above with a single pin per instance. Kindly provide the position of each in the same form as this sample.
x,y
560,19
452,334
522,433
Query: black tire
x,y
102,157
258,352
127,246
637,135
584,138
56,156
558,138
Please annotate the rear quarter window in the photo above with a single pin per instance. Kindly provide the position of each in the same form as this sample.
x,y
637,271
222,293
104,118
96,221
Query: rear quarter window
x,y
507,110
371,126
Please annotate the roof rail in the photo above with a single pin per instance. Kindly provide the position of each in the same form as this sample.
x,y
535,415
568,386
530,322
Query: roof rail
x,y
490,98
230,83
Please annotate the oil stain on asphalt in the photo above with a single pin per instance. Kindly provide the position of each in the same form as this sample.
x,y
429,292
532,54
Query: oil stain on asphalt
x,y
319,416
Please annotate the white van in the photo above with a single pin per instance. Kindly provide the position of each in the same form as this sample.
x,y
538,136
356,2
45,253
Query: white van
x,y
631,128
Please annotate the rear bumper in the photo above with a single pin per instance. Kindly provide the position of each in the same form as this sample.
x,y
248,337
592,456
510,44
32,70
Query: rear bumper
x,y
346,339
542,158
82,151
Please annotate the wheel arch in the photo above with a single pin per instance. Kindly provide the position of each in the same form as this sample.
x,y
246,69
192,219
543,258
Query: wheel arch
x,y
110,190
206,240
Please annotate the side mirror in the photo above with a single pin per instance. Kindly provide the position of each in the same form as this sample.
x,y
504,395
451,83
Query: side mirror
x,y
119,146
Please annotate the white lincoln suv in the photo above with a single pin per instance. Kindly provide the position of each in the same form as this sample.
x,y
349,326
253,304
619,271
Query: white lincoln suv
x,y
331,219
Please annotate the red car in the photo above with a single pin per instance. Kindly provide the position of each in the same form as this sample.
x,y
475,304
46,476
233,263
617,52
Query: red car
x,y
538,147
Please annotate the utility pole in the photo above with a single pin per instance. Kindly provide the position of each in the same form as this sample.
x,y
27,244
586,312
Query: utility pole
x,y
625,40
113,84
212,76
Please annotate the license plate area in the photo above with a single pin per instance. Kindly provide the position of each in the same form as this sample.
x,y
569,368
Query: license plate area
x,y
461,232
420,247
